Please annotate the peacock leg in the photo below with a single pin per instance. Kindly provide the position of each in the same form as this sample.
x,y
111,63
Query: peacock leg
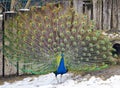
x,y
57,79
60,78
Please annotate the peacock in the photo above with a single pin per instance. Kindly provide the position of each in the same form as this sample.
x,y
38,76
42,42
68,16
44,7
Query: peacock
x,y
61,69
37,38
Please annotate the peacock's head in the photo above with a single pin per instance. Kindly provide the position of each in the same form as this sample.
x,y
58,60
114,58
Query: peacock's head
x,y
62,55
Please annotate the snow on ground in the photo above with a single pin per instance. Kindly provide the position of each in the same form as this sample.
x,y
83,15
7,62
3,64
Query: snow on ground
x,y
68,81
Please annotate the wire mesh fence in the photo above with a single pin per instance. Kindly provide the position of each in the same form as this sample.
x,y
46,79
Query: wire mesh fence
x,y
20,4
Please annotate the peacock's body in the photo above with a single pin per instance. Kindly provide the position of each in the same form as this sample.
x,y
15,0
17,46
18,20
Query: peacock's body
x,y
38,37
61,69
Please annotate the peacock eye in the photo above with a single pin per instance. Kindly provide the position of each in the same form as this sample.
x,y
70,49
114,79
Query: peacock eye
x,y
82,31
102,42
46,17
62,26
71,37
95,38
95,58
104,56
81,58
91,45
55,29
68,23
43,32
49,40
51,34
104,48
74,43
63,49
79,36
33,37
61,17
57,38
69,16
55,49
62,44
48,26
31,43
85,16
98,52
58,48
67,45
24,38
74,30
83,43
40,24
98,33
85,49
40,43
68,32
87,38
89,54
91,26
26,31
62,35
75,23
91,49
83,23
42,38
98,46
65,40
84,54
89,30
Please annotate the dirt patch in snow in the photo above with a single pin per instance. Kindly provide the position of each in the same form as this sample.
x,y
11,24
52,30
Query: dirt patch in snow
x,y
14,78
106,73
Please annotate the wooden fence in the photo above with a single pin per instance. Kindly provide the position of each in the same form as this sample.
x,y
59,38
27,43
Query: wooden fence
x,y
105,13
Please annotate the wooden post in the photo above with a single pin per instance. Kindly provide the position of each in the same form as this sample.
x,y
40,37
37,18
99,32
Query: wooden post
x,y
78,5
95,11
115,14
17,68
119,15
3,43
12,5
109,13
105,21
3,57
27,4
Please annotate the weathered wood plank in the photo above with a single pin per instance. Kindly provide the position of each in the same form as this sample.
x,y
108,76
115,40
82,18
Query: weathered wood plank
x,y
95,11
105,21
27,4
12,5
78,5
119,15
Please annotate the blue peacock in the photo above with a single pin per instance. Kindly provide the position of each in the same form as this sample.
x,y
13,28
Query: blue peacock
x,y
61,68
37,38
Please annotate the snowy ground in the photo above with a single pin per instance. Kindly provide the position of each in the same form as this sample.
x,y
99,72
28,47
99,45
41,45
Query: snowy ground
x,y
68,81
